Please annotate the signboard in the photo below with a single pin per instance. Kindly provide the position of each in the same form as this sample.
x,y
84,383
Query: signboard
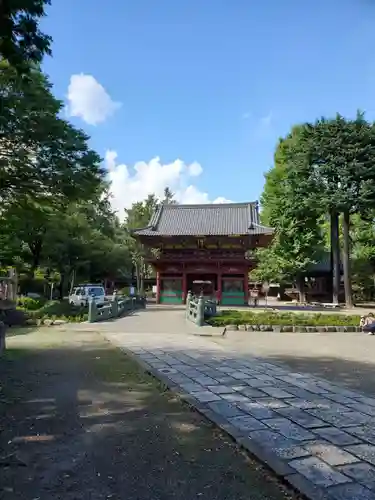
x,y
154,288
265,288
132,290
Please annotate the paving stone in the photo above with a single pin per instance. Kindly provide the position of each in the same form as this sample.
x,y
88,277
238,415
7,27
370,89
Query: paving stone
x,y
205,396
358,417
330,453
225,409
337,436
226,380
272,403
265,378
301,393
238,388
350,491
192,387
235,397
302,404
220,389
318,472
366,409
167,371
255,383
239,375
282,446
338,398
365,432
257,410
364,451
178,378
253,393
301,417
365,400
289,429
333,417
203,380
361,472
247,423
227,369
275,392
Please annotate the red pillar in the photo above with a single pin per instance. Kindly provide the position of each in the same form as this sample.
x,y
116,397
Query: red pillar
x,y
158,287
219,286
184,285
246,287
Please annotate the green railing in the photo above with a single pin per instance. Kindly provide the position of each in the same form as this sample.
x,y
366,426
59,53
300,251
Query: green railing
x,y
199,308
115,308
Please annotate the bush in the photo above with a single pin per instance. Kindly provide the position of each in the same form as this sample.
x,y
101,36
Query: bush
x,y
282,319
30,304
54,309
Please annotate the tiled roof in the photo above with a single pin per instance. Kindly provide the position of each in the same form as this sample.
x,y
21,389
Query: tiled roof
x,y
204,220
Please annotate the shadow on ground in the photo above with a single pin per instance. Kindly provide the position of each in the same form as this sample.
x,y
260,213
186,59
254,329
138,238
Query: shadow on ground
x,y
81,420
356,375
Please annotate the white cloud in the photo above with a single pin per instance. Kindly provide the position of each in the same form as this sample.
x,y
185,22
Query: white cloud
x,y
129,185
88,99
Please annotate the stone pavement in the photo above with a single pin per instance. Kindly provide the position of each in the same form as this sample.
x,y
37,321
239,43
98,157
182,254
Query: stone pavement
x,y
319,436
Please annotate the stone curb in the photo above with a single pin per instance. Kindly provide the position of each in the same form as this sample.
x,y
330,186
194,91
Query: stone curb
x,y
281,469
291,328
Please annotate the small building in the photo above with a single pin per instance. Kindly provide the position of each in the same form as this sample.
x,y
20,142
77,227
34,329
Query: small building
x,y
204,249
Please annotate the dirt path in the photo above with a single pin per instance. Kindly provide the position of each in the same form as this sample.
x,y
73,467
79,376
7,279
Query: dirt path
x,y
80,421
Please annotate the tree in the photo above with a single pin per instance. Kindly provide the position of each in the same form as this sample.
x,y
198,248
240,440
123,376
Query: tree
x,y
340,157
21,41
298,239
137,217
168,197
42,156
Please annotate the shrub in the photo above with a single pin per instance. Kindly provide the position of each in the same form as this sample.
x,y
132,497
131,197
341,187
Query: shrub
x,y
54,309
30,304
282,318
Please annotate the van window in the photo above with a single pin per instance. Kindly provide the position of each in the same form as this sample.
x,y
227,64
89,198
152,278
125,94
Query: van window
x,y
96,291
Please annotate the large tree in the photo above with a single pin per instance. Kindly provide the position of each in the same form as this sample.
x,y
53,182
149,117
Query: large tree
x,y
21,41
42,156
339,155
298,239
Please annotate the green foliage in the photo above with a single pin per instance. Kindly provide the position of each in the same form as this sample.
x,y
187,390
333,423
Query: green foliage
x,y
232,317
42,156
30,304
53,310
298,240
21,41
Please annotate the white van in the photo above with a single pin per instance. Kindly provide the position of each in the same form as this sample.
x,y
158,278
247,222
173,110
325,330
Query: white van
x,y
81,295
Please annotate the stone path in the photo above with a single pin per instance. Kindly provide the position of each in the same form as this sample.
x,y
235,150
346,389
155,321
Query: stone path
x,y
319,436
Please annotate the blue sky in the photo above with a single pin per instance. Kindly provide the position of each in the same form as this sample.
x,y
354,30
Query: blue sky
x,y
212,83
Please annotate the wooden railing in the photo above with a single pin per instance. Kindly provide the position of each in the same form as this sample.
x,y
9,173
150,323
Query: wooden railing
x,y
115,308
199,308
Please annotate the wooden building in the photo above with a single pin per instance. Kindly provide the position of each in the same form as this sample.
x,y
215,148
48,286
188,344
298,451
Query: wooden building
x,y
204,248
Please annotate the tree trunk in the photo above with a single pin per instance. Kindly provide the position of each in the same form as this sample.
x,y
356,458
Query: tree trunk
x,y
346,260
35,248
300,282
61,285
335,257
72,281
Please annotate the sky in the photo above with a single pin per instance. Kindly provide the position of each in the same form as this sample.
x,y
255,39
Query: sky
x,y
194,94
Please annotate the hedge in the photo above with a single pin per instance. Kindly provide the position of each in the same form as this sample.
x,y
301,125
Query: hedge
x,y
282,319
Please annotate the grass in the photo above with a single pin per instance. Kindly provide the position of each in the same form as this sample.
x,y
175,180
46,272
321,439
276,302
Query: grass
x,y
233,317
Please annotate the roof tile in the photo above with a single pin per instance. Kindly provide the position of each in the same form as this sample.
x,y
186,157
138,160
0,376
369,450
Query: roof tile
x,y
204,220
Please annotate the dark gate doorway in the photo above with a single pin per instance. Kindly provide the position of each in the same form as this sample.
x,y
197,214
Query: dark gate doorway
x,y
202,283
